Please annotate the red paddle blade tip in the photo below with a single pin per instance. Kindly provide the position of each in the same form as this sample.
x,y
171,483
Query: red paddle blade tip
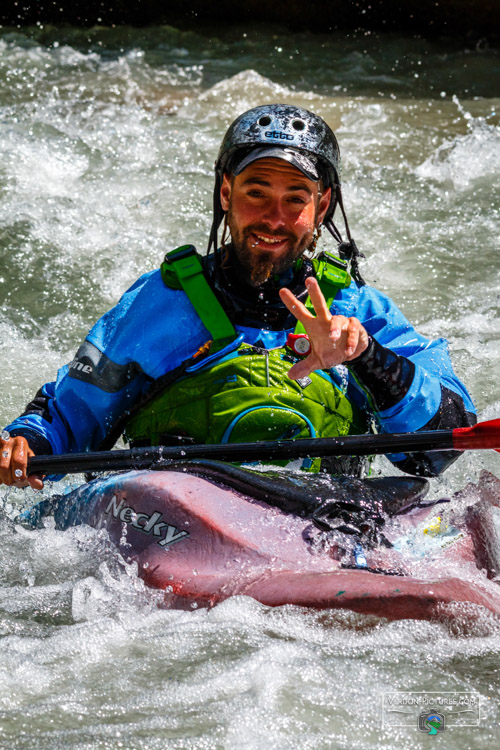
x,y
484,435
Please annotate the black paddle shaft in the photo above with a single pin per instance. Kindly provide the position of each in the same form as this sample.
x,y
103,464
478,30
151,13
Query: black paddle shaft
x,y
145,458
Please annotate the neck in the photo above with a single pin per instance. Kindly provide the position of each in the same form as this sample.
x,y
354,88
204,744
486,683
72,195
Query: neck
x,y
257,306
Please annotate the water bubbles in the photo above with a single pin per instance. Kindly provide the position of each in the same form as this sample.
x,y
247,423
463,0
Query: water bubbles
x,y
123,538
27,573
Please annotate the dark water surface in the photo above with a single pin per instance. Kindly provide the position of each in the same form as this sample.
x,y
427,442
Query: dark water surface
x,y
107,144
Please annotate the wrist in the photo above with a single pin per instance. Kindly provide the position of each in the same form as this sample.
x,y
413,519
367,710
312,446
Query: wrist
x,y
365,355
384,375
36,442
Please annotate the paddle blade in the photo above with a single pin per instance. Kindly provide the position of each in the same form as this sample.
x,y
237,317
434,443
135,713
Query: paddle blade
x,y
481,435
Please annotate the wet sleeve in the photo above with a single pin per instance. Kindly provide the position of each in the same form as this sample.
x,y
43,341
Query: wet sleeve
x,y
409,382
149,332
74,414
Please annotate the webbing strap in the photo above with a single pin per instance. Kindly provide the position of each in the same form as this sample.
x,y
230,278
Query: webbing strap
x,y
185,263
182,269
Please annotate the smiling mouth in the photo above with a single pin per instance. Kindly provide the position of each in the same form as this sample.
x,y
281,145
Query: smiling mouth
x,y
269,240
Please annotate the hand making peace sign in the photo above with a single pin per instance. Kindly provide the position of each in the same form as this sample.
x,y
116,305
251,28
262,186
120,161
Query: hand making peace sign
x,y
334,339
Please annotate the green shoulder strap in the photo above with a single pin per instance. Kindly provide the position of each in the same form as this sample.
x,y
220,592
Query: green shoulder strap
x,y
332,275
182,269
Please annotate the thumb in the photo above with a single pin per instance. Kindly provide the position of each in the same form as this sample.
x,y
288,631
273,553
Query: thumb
x,y
303,368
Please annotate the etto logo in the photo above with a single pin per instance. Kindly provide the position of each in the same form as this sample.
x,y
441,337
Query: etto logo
x,y
278,135
148,524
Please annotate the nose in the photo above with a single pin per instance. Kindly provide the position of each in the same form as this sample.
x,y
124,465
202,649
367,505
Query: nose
x,y
273,214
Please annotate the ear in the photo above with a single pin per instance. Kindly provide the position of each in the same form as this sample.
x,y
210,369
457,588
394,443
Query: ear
x,y
225,192
324,202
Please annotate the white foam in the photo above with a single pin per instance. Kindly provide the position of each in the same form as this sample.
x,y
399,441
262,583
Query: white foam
x,y
465,159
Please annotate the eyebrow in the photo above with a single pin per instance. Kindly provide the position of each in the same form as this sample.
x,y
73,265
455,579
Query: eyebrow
x,y
265,183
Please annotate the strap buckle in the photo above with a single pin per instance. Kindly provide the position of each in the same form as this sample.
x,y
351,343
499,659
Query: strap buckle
x,y
179,253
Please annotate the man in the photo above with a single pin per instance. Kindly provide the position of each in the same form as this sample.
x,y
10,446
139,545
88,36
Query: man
x,y
201,350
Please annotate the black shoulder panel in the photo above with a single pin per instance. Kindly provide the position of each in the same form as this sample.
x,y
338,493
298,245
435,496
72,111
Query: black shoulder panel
x,y
39,405
94,367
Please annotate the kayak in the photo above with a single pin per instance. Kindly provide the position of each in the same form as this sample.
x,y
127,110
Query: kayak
x,y
204,531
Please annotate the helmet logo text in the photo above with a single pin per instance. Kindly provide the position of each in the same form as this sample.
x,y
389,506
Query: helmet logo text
x,y
278,135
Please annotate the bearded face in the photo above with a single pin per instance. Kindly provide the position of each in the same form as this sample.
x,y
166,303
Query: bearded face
x,y
272,212
259,262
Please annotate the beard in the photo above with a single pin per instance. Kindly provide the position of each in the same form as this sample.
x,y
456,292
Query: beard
x,y
260,264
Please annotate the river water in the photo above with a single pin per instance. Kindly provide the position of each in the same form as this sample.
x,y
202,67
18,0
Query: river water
x,y
107,143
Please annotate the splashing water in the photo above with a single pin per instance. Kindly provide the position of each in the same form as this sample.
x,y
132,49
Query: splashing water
x,y
466,159
107,144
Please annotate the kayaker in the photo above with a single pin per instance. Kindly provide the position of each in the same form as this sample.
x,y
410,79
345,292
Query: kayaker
x,y
262,338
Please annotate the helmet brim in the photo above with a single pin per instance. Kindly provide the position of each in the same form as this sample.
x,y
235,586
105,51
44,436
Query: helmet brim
x,y
305,164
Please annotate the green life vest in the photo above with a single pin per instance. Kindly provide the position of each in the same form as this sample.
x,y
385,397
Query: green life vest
x,y
240,392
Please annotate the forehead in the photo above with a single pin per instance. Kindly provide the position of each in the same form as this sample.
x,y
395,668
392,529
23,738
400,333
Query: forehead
x,y
276,171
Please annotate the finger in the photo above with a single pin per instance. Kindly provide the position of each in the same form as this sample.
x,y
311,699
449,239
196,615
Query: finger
x,y
303,368
295,306
352,337
19,461
5,456
361,345
35,481
338,323
317,298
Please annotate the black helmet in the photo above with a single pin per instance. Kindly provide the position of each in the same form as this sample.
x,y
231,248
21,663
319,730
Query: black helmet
x,y
286,132
283,128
